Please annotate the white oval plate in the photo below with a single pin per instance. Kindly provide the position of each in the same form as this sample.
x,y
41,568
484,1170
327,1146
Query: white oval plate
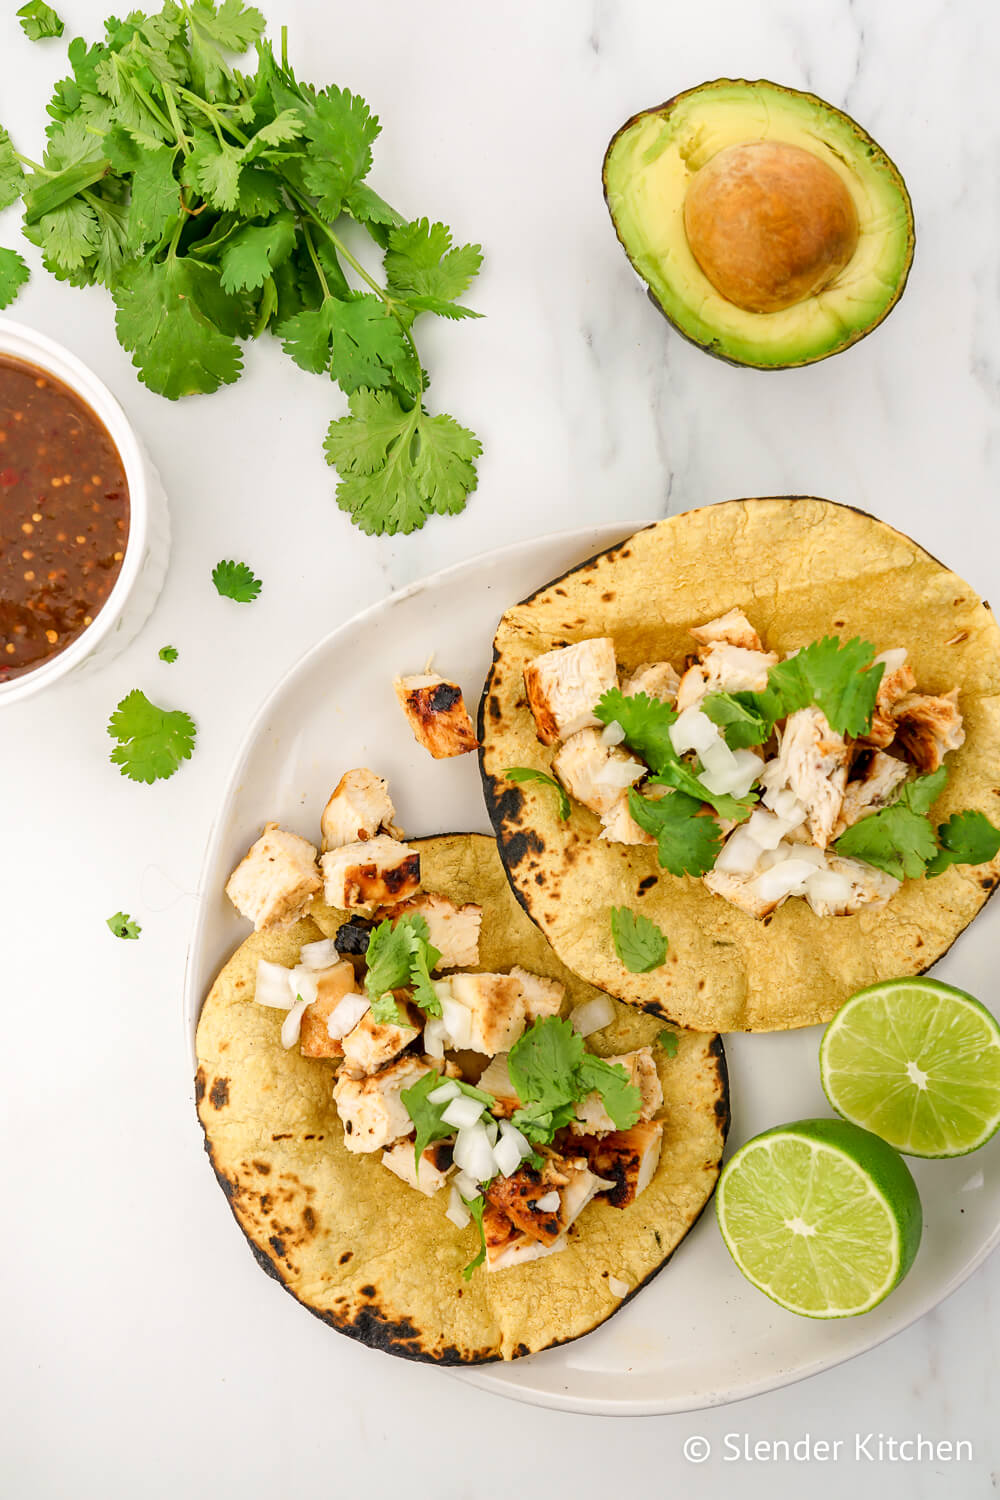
x,y
699,1335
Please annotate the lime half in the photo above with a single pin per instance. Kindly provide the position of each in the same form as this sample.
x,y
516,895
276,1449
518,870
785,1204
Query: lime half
x,y
821,1215
918,1063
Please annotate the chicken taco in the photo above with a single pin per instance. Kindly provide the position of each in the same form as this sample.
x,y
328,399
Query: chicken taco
x,y
436,1137
769,728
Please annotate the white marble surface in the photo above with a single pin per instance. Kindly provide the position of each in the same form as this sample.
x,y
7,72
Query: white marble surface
x,y
142,1353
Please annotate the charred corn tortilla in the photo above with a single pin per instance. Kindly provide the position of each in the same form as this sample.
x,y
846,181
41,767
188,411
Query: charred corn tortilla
x,y
368,1254
800,568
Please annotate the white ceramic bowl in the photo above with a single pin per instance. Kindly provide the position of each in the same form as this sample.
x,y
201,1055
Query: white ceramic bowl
x,y
144,567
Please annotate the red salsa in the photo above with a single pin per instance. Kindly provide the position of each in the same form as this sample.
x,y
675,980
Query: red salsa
x,y
64,517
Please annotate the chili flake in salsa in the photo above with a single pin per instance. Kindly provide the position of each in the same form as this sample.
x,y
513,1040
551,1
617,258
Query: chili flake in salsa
x,y
64,517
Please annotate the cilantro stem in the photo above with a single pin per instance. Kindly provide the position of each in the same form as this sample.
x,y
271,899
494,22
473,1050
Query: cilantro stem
x,y
140,92
171,103
34,165
315,260
284,48
215,115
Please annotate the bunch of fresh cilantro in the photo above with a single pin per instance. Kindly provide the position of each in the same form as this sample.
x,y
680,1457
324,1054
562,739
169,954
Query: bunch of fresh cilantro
x,y
212,204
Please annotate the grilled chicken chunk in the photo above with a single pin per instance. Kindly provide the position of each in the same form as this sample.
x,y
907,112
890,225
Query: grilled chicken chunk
x,y
371,1108
543,1203
641,1069
373,872
564,685
432,1172
275,882
508,1246
897,681
874,778
868,887
539,997
733,628
359,808
453,930
812,761
372,1043
496,1007
724,669
927,727
628,1158
331,986
742,891
619,826
657,679
437,714
594,773
496,1080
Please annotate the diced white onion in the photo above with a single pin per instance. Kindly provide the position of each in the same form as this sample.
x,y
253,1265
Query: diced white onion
x,y
829,888
893,660
474,1154
799,852
510,1132
456,1210
506,1155
617,1287
740,853
461,1112
305,983
346,1015
292,1024
442,988
717,758
622,772
319,955
693,730
612,734
748,768
784,804
492,1129
465,1185
592,1015
457,1020
274,986
785,879
495,1078
766,828
435,1035
445,1093
550,1203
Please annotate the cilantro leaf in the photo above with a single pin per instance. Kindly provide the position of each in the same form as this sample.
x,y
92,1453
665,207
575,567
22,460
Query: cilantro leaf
x,y
688,842
253,252
639,943
358,341
179,326
739,717
621,1098
67,235
398,467
400,954
234,580
341,129
156,197
476,1207
365,205
427,1116
646,722
668,1041
152,741
841,681
122,925
423,957
39,20
967,838
385,1011
11,172
168,653
529,773
422,267
13,274
900,839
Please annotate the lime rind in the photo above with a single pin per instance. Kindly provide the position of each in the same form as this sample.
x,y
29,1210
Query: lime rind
x,y
821,1216
917,1062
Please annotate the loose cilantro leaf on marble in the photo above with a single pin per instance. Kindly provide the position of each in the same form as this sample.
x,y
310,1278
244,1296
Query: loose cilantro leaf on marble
x,y
122,925
39,20
235,580
168,653
152,741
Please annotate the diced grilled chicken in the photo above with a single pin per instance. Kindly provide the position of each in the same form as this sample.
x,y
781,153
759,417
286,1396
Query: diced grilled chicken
x,y
657,679
564,685
331,986
372,1044
359,808
897,681
373,872
812,761
539,997
275,882
619,826
628,1158
432,1172
927,727
641,1069
508,1246
741,891
874,778
496,1009
496,1080
595,773
437,714
565,1182
724,669
453,930
733,628
868,887
372,1109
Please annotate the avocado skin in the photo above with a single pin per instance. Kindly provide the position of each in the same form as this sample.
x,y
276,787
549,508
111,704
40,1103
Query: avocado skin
x,y
712,346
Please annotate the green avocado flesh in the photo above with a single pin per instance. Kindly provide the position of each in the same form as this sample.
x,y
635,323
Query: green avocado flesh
x,y
649,167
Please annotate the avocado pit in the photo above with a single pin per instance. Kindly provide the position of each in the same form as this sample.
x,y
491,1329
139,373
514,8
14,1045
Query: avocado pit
x,y
770,224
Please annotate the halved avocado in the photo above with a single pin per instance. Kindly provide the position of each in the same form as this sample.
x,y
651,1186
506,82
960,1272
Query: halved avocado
x,y
770,228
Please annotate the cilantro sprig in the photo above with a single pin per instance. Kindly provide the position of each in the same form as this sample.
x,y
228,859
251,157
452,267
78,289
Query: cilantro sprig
x,y
639,943
476,1206
687,842
427,1117
400,954
39,20
212,202
152,741
235,580
967,838
841,680
551,1071
902,840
